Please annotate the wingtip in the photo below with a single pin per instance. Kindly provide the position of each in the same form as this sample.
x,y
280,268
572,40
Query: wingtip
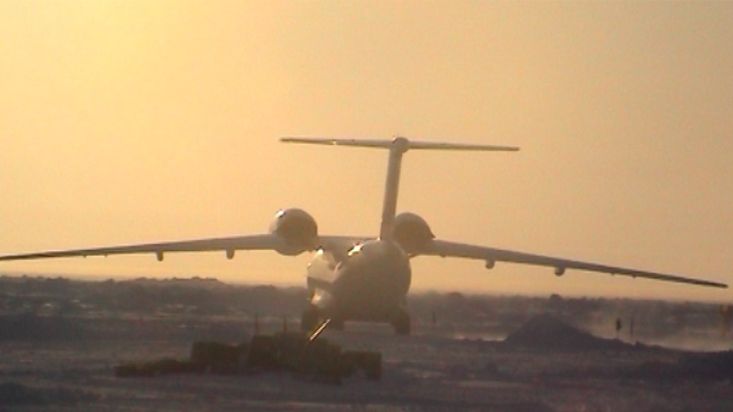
x,y
717,285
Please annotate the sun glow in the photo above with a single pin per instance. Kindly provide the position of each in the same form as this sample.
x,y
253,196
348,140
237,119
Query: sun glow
x,y
136,121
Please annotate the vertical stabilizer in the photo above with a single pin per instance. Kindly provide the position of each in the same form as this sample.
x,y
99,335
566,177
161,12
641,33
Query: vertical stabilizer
x,y
397,147
391,187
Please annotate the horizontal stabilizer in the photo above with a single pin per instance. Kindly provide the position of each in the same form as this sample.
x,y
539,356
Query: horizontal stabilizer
x,y
387,144
459,146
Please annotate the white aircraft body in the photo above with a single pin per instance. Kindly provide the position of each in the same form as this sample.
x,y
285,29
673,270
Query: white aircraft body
x,y
363,278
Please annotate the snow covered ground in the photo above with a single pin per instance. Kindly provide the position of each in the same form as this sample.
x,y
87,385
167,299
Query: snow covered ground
x,y
427,371
60,341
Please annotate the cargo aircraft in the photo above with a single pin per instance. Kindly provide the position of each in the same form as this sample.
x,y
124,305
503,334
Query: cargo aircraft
x,y
363,278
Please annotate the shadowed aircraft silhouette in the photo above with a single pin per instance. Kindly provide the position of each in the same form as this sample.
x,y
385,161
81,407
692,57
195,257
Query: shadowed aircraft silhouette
x,y
363,277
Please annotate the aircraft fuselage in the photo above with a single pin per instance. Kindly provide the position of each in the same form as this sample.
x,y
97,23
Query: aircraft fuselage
x,y
369,283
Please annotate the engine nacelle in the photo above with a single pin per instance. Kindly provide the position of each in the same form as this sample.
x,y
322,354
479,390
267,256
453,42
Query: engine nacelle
x,y
297,229
411,232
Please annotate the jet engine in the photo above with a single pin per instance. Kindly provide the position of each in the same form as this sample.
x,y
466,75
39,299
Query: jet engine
x,y
297,229
411,232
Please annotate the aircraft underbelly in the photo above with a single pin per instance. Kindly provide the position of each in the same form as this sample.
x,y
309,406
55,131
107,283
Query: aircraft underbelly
x,y
370,296
371,284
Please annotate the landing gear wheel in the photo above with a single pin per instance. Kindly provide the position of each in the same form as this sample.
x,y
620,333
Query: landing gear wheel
x,y
401,323
309,319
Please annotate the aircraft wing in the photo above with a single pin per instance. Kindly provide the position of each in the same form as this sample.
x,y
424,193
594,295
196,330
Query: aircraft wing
x,y
490,255
228,244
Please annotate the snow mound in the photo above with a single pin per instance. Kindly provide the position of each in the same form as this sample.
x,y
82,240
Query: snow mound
x,y
546,332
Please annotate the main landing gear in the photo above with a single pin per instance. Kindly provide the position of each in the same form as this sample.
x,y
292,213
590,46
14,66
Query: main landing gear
x,y
401,322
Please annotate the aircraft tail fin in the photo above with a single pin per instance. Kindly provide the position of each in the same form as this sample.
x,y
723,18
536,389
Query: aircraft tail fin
x,y
397,147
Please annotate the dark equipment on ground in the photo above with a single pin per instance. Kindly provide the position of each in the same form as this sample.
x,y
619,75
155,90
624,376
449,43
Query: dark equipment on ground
x,y
319,360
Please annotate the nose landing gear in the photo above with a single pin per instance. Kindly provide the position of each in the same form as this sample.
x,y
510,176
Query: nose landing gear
x,y
309,319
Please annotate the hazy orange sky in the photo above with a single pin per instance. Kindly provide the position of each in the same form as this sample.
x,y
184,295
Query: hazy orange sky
x,y
135,121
